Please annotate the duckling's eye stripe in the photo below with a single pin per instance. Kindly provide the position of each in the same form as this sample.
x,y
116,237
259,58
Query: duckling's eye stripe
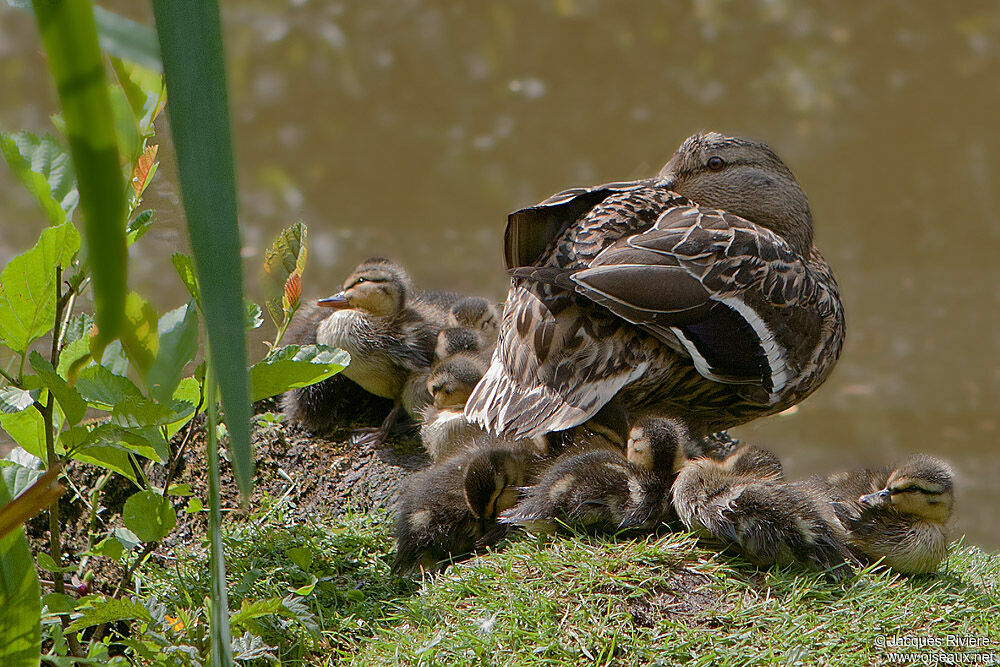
x,y
917,489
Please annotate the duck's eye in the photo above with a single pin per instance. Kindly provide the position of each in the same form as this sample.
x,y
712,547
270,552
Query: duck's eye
x,y
361,280
715,163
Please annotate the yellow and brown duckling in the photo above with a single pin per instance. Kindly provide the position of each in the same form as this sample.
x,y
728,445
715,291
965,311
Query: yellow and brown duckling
x,y
472,328
444,429
899,516
449,510
697,294
744,503
603,491
390,331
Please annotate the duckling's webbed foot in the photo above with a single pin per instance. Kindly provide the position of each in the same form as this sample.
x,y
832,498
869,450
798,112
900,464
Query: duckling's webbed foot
x,y
376,437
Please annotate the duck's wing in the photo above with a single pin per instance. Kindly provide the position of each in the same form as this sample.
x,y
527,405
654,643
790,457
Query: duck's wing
x,y
531,230
744,305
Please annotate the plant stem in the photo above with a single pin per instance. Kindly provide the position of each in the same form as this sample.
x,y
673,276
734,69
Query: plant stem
x,y
221,638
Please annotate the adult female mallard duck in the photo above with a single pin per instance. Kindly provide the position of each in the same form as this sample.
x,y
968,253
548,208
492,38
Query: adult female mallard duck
x,y
697,294
898,515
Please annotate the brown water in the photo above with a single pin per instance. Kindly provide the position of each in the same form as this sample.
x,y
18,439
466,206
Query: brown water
x,y
411,128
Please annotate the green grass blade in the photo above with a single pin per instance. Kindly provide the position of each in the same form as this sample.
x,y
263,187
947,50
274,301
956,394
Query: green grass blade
x,y
69,34
128,40
20,596
191,44
222,643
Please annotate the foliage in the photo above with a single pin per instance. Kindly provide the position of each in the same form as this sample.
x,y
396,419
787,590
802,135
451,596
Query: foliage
x,y
119,390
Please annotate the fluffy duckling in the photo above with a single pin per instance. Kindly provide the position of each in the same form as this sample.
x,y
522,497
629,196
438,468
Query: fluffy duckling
x,y
900,516
602,491
472,327
457,340
449,510
390,333
444,429
744,502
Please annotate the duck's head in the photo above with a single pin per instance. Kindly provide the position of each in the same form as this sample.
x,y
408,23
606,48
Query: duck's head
x,y
493,478
453,340
744,177
451,381
657,444
922,486
377,286
475,312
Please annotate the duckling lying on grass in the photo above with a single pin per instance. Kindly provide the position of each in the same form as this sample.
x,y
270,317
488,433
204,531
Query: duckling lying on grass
x,y
744,502
449,510
603,491
898,515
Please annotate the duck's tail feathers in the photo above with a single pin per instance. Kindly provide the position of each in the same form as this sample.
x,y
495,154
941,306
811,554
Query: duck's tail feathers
x,y
504,409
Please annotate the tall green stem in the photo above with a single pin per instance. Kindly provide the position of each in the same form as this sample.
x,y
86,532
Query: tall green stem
x,y
222,651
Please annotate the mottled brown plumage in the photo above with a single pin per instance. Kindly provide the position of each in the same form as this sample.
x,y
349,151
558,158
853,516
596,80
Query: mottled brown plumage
x,y
697,294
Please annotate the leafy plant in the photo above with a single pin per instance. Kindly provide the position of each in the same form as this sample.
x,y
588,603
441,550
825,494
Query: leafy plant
x,y
115,390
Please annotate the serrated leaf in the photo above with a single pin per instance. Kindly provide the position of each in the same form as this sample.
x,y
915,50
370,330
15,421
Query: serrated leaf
x,y
72,404
250,610
21,596
294,366
73,358
45,169
27,429
110,611
254,316
140,337
284,259
145,169
14,400
99,385
300,612
178,335
27,287
77,328
185,269
252,647
18,477
149,515
138,412
108,445
138,226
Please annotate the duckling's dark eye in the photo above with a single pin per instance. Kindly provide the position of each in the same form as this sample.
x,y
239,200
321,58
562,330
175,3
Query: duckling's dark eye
x,y
361,280
715,163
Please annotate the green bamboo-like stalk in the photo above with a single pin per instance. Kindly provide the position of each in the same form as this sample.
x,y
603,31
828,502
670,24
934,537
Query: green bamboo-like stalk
x,y
191,45
222,645
69,34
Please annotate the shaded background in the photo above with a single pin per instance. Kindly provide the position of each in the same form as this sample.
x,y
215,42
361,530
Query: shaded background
x,y
410,128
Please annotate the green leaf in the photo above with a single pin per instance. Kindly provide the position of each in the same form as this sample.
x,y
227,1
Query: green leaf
x,y
178,333
14,400
293,366
59,603
185,269
137,412
47,563
99,385
180,490
130,141
21,610
27,429
73,406
250,610
138,226
145,91
194,505
149,515
193,62
300,556
109,547
127,39
127,538
113,358
284,259
46,171
69,34
77,351
77,328
110,611
139,336
108,445
28,289
188,391
18,477
254,315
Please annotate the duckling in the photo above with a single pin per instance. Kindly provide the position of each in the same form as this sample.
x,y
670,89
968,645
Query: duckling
x,y
449,510
390,333
744,502
697,294
900,516
477,314
444,429
455,340
603,491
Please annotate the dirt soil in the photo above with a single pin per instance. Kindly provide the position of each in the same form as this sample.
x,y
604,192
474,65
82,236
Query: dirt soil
x,y
320,471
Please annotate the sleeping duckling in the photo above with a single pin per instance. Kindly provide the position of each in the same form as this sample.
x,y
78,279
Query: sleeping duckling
x,y
602,491
456,340
390,333
900,516
449,510
476,313
744,502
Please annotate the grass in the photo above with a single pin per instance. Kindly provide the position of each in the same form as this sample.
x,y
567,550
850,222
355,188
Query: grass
x,y
573,600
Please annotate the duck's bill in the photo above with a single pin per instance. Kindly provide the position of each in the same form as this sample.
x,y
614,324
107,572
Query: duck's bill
x,y
882,497
335,301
